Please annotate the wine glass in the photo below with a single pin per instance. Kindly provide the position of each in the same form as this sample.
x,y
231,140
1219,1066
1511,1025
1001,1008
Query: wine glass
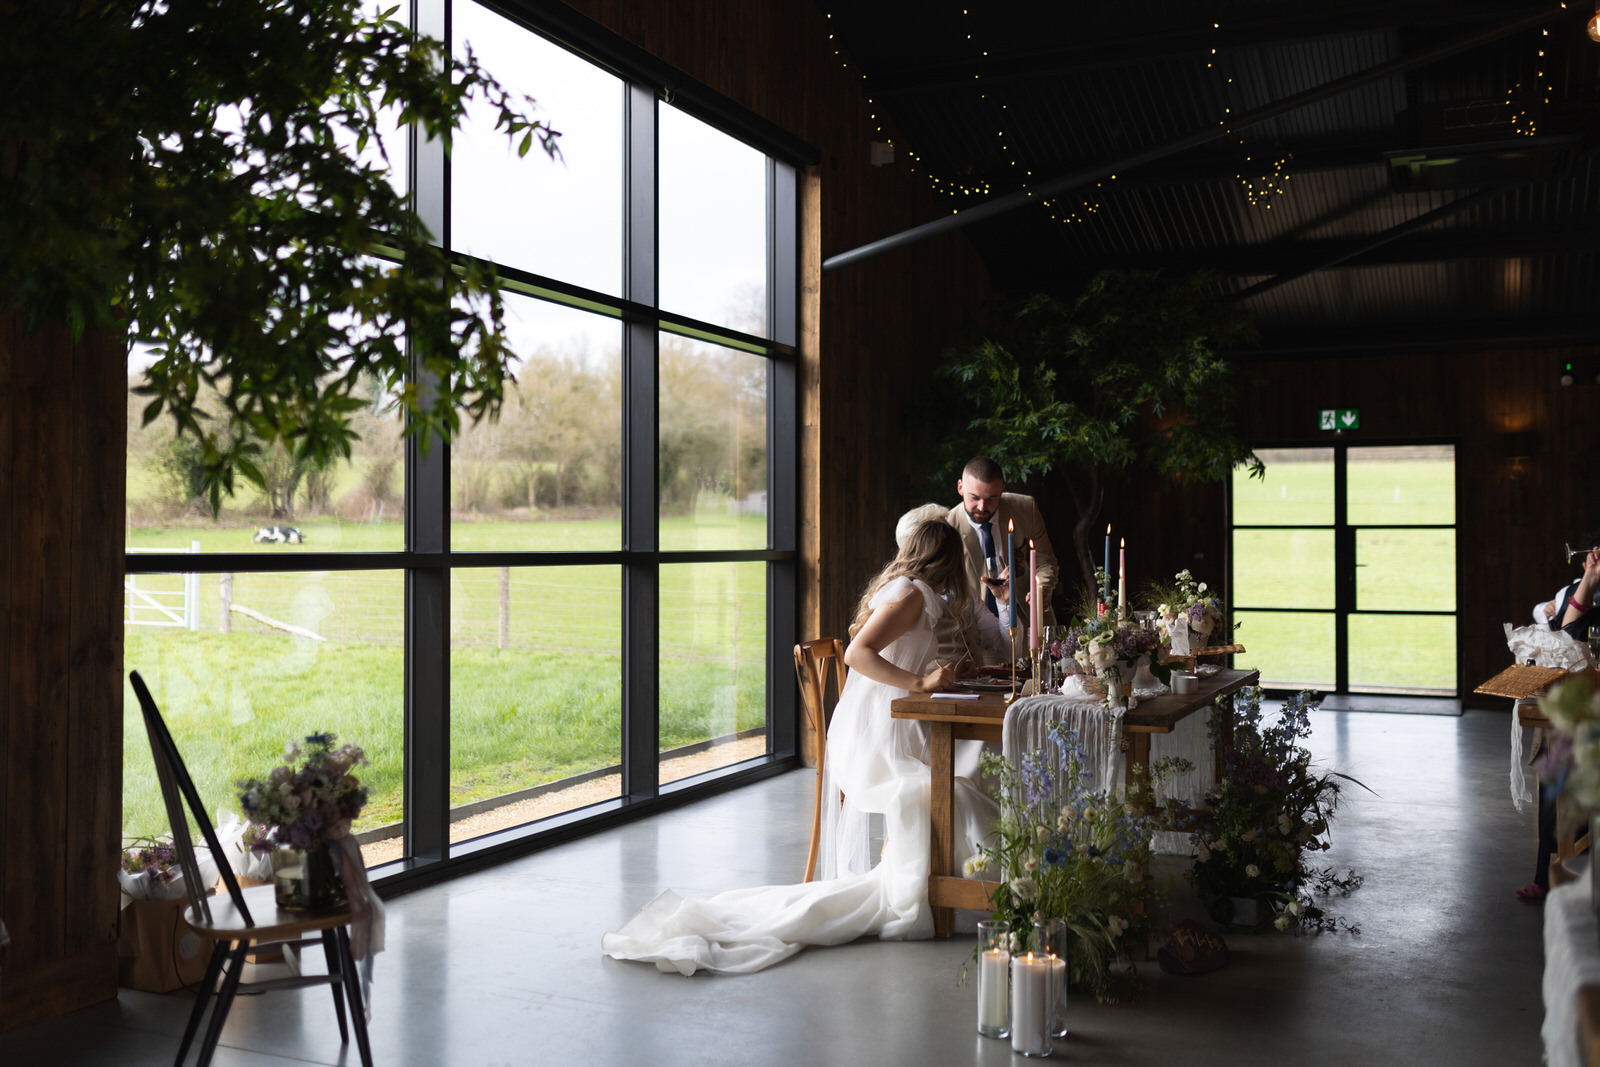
x,y
1594,644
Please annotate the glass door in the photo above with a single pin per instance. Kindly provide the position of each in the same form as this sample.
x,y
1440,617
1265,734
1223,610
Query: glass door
x,y
1344,569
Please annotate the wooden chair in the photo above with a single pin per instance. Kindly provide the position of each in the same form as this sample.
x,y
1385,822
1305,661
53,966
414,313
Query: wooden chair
x,y
232,924
814,662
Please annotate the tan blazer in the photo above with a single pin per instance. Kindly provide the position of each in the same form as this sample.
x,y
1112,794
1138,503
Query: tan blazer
x,y
1023,510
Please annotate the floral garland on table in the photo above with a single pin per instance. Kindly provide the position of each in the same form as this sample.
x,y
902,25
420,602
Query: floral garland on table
x,y
1268,812
308,806
1066,850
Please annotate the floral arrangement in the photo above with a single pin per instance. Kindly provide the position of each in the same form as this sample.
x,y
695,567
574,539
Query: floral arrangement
x,y
1270,809
1187,601
1571,763
309,805
1066,850
154,861
1102,644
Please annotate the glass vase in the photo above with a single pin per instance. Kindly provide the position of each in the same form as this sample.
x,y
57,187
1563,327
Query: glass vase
x,y
1050,941
994,978
306,879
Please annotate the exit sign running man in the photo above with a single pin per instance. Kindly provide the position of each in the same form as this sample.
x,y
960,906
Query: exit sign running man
x,y
1339,419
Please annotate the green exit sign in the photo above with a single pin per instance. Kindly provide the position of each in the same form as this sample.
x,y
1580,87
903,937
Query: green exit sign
x,y
1339,419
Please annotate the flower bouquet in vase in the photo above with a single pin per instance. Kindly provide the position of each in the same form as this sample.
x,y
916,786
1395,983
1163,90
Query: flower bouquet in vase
x,y
1188,614
1111,650
306,804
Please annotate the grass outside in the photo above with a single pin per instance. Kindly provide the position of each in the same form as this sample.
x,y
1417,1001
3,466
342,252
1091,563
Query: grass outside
x,y
1399,570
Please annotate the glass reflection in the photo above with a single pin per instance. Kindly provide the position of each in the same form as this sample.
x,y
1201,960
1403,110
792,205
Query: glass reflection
x,y
713,666
561,219
547,475
261,660
712,446
713,225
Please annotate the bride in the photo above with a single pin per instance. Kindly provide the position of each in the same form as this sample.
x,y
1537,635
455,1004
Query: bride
x,y
879,764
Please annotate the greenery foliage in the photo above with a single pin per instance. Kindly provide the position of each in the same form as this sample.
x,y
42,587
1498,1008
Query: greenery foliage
x,y
1123,376
1067,848
213,177
1268,812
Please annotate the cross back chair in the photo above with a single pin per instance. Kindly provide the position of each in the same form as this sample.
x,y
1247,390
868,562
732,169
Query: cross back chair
x,y
245,918
814,663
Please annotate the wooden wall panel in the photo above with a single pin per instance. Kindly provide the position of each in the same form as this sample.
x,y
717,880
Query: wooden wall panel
x,y
62,463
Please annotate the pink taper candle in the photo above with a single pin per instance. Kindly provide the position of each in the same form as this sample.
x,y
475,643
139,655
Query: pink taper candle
x,y
1033,596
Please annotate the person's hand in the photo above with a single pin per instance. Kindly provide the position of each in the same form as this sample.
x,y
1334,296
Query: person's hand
x,y
965,666
1548,609
942,677
1591,576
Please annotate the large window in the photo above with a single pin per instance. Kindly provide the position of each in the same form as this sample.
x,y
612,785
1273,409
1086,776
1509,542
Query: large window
x,y
565,613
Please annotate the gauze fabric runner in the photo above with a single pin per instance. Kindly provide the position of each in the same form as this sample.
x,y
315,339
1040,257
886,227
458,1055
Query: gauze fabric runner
x,y
1543,647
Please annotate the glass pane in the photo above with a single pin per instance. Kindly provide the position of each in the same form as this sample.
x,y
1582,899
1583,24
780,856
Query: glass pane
x,y
712,446
535,694
236,686
1291,650
713,197
548,475
1403,653
1283,568
713,666
1298,490
1404,484
354,505
1406,570
562,219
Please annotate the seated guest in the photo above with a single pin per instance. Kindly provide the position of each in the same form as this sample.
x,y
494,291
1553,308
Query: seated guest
x,y
1578,612
966,631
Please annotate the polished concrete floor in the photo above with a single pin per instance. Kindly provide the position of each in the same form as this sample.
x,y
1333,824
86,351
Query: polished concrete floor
x,y
504,967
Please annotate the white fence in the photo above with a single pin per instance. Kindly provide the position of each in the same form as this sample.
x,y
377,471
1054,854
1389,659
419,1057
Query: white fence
x,y
169,600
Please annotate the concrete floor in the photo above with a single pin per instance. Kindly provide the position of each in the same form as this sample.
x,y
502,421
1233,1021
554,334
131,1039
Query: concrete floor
x,y
504,967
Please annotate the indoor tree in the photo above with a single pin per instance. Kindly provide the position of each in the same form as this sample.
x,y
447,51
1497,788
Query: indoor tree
x,y
212,178
1123,377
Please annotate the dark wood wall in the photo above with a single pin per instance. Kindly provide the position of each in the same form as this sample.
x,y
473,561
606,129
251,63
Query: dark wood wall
x,y
62,486
877,326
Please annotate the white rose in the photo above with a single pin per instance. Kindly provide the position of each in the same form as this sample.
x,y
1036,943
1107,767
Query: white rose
x,y
1101,654
1252,871
1116,924
1281,922
1202,587
1296,908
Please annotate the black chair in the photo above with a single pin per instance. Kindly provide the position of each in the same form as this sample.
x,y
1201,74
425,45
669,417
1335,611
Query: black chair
x,y
231,925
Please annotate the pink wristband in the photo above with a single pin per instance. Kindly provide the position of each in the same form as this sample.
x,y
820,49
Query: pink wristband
x,y
1580,605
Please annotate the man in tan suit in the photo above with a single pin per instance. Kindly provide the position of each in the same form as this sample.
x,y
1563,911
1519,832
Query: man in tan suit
x,y
981,518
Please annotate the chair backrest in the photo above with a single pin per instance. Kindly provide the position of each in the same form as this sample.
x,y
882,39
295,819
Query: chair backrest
x,y
814,662
177,788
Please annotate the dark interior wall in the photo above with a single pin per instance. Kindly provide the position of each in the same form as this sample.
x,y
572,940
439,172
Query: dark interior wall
x,y
881,323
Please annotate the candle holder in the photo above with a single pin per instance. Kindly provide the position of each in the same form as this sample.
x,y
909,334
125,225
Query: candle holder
x,y
1050,940
994,977
1013,694
1030,1003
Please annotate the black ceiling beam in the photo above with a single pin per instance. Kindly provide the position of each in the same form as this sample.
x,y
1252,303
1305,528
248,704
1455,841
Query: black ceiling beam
x,y
1302,257
1128,161
1325,340
1080,56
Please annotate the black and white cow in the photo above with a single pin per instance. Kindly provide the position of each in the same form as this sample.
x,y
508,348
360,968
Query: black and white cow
x,y
278,535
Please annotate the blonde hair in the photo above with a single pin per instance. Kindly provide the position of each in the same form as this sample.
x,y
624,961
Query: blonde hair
x,y
916,517
932,551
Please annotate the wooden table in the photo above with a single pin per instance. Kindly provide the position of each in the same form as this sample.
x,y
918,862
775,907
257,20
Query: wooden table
x,y
982,719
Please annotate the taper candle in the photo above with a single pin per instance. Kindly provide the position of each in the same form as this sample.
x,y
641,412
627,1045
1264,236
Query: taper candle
x,y
1105,593
1033,596
1011,572
1122,579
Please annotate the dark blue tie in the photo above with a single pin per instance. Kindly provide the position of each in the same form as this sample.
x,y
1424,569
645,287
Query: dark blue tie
x,y
987,542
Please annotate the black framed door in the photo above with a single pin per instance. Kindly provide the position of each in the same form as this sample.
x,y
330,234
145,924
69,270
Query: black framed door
x,y
1343,568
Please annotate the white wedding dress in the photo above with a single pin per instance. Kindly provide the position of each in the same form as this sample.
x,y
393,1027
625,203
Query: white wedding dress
x,y
881,766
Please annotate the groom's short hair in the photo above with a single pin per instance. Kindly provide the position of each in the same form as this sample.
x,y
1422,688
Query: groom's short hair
x,y
983,469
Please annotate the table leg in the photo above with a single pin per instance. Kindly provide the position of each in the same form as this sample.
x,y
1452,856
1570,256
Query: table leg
x,y
1136,767
941,822
1222,734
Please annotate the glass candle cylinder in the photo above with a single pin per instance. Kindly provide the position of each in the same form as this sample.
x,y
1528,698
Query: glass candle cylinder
x,y
1050,940
1030,996
994,976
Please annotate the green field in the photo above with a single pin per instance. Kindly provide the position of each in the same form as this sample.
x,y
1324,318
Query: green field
x,y
545,707
1398,570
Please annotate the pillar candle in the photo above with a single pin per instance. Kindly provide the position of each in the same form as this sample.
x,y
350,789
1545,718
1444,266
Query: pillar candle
x,y
1011,564
1122,579
994,966
1030,993
1033,596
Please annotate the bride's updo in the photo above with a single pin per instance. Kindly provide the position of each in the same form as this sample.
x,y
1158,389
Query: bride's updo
x,y
931,551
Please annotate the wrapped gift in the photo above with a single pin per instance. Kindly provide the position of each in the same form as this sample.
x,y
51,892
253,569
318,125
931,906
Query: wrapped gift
x,y
157,951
